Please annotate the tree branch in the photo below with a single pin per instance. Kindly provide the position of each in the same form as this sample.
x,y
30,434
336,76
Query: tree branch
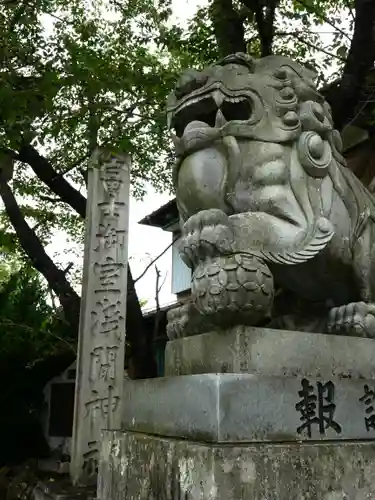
x,y
54,180
93,135
50,199
345,97
324,18
30,243
157,302
93,127
347,3
158,312
155,259
309,44
68,268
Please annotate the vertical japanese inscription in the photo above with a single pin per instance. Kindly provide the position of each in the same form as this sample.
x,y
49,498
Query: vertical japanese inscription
x,y
100,358
368,399
317,408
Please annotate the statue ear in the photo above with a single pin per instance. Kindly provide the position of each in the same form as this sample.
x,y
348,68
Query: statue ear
x,y
308,73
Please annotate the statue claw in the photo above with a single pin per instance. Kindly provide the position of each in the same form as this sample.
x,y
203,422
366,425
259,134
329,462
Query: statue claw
x,y
206,234
355,319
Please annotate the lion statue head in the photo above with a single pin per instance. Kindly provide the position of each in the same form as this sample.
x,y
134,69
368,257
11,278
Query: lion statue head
x,y
256,137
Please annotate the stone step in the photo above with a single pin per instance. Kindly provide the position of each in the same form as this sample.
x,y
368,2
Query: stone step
x,y
273,353
237,408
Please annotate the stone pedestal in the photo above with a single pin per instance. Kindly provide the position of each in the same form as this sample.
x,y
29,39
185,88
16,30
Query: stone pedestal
x,y
272,352
231,408
145,467
293,417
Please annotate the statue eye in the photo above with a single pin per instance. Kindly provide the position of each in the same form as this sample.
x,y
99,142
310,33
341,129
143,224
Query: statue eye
x,y
190,81
237,108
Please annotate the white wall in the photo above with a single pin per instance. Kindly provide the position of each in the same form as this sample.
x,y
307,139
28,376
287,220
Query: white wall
x,y
181,274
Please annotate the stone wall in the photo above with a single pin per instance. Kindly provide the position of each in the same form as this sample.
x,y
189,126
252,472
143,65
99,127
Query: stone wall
x,y
141,467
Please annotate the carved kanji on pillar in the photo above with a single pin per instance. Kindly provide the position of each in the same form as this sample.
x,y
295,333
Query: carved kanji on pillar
x,y
101,350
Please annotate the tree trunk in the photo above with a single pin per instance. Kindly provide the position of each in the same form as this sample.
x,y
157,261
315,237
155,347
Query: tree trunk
x,y
228,26
264,13
30,243
345,97
136,329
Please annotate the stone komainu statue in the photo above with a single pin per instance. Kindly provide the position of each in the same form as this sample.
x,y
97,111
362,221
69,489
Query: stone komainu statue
x,y
277,230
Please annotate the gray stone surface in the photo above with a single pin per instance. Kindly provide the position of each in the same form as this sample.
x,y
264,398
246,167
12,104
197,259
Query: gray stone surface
x,y
101,345
272,353
232,408
265,197
140,467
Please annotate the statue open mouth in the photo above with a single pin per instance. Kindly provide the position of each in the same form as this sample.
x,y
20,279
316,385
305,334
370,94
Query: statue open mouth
x,y
204,117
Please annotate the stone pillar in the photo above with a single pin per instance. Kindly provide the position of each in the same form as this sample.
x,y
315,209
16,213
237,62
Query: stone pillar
x,y
101,346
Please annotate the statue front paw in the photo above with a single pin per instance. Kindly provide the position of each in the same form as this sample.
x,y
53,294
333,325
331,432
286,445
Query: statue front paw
x,y
205,234
186,320
177,319
356,319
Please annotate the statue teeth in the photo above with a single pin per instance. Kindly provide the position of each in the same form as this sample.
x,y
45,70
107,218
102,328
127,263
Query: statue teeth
x,y
220,119
218,97
235,99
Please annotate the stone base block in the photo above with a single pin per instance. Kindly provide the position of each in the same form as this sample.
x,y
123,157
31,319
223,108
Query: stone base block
x,y
143,467
279,353
230,408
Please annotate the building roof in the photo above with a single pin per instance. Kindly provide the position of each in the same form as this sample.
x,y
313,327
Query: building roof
x,y
165,308
164,217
